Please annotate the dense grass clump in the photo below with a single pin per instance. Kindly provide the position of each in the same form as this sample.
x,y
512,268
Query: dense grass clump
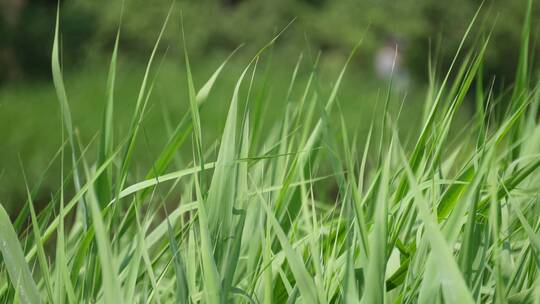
x,y
247,221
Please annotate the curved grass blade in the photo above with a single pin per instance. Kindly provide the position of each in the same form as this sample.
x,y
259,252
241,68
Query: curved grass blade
x,y
15,263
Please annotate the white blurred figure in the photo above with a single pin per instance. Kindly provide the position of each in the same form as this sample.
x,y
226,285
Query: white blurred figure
x,y
389,65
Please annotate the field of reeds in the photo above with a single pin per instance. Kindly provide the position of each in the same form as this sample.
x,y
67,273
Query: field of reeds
x,y
293,213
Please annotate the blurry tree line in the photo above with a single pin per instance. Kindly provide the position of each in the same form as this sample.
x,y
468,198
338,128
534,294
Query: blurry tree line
x,y
333,26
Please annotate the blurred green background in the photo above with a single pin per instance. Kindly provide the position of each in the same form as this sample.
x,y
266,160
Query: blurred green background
x,y
30,121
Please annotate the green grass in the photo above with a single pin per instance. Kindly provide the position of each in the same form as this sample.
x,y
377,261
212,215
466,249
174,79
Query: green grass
x,y
30,117
284,205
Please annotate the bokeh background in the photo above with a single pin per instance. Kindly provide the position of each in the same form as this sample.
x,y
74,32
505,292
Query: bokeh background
x,y
30,124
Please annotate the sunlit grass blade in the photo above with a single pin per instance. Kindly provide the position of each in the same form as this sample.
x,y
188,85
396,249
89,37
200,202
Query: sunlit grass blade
x,y
111,284
15,263
181,132
374,290
454,287
304,280
58,81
